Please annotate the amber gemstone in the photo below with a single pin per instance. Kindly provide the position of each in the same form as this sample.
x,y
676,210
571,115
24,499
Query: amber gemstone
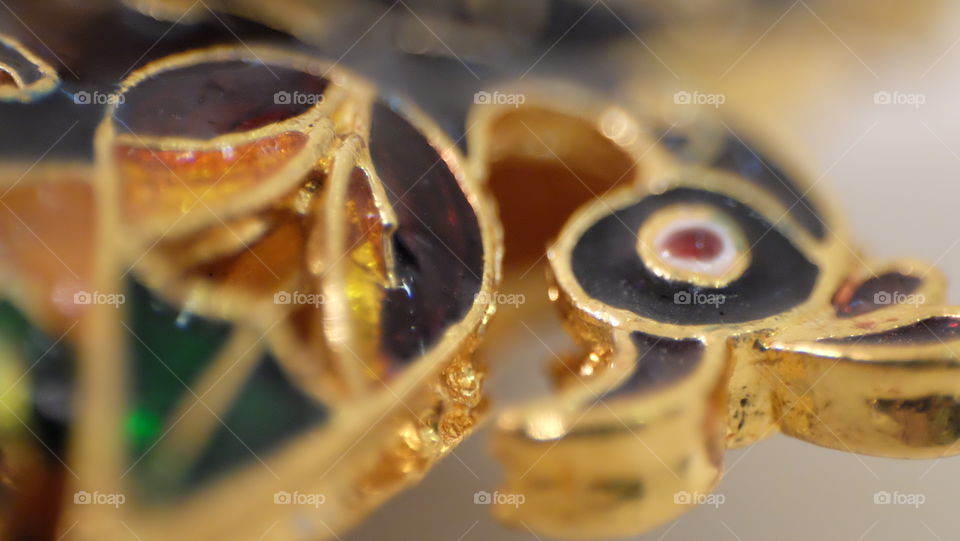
x,y
693,243
52,255
173,182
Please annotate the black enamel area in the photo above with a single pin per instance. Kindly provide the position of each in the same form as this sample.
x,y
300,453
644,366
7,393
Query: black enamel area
x,y
676,142
438,245
878,292
606,264
93,46
932,330
14,61
736,156
215,98
660,362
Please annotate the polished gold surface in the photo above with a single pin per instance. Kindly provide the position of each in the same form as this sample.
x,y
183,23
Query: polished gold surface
x,y
221,237
574,457
586,465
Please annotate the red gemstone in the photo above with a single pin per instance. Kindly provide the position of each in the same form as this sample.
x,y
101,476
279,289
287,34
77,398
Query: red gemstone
x,y
693,243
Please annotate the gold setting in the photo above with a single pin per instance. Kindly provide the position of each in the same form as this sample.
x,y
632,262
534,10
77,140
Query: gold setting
x,y
755,377
310,201
431,405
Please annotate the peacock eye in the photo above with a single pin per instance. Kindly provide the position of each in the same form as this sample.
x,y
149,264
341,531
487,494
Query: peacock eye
x,y
697,244
667,257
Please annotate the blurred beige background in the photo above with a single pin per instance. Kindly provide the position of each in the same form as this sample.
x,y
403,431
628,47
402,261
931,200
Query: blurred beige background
x,y
894,169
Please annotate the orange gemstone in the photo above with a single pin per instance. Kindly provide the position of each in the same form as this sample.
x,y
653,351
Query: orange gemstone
x,y
51,256
171,182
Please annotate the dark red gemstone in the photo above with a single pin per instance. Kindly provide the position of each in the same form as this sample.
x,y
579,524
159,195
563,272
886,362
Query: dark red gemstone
x,y
93,46
438,245
875,293
693,243
206,100
933,330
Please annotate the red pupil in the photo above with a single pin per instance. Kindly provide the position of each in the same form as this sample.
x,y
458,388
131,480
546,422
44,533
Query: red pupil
x,y
693,243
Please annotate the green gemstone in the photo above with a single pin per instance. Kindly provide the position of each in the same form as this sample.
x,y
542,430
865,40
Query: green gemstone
x,y
268,411
13,324
169,349
143,427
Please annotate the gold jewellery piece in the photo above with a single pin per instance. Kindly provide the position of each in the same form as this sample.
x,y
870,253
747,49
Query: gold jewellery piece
x,y
262,295
245,297
715,300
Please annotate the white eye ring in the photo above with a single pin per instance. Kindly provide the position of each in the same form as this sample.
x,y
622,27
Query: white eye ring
x,y
719,265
